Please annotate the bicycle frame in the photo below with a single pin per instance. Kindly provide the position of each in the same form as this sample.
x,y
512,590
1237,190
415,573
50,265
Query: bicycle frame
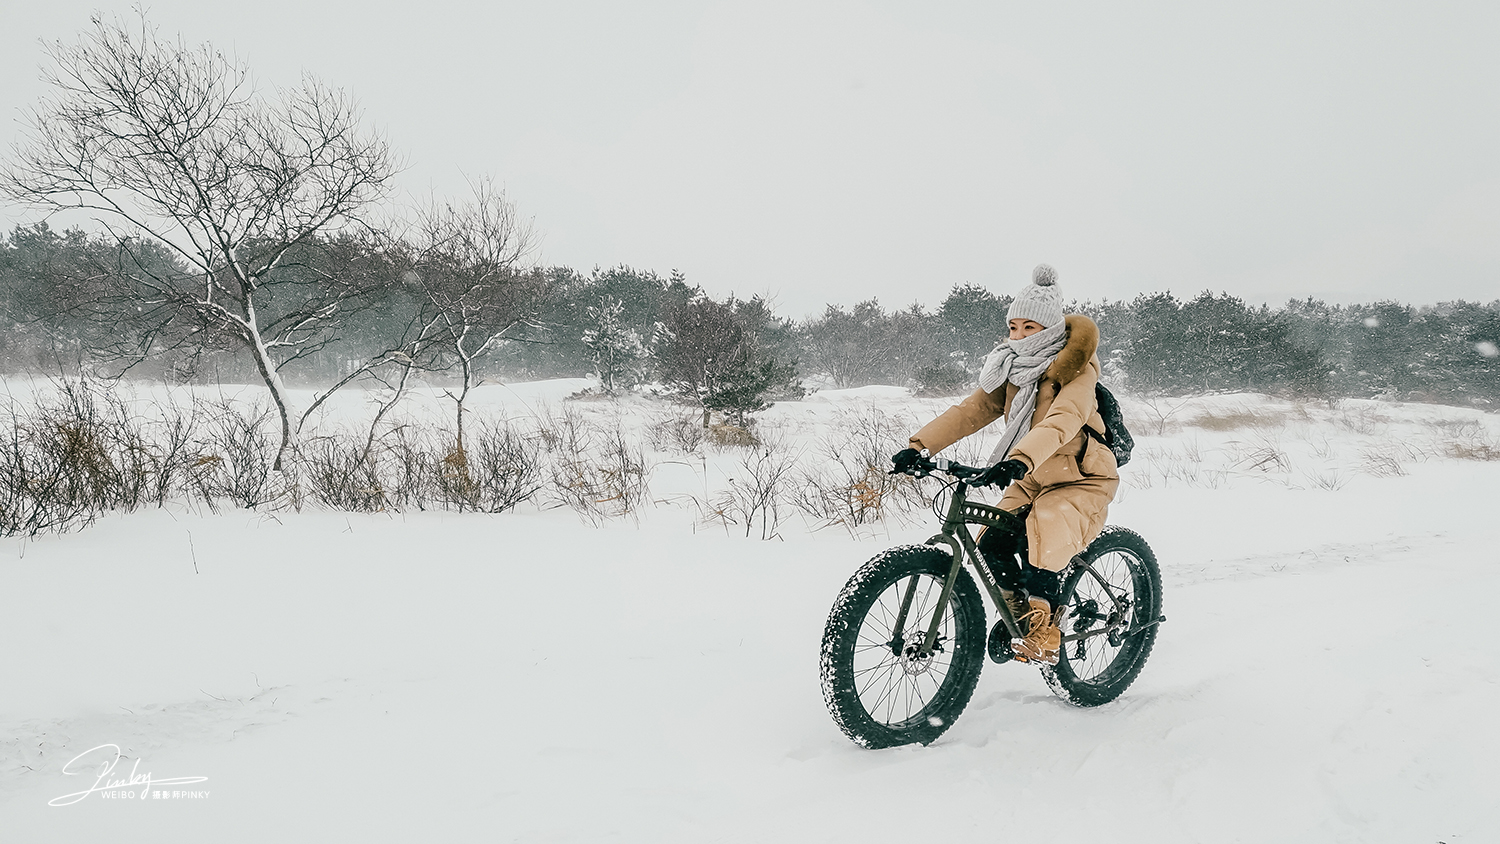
x,y
963,512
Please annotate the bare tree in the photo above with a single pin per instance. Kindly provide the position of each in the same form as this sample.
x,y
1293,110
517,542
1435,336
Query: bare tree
x,y
171,143
469,262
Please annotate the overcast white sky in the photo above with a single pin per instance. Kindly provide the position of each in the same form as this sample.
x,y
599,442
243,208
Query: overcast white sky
x,y
835,151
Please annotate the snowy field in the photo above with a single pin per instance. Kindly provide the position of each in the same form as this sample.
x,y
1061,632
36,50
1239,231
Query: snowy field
x,y
1329,671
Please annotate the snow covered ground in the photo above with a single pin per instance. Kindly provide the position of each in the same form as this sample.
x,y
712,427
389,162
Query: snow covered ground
x,y
1329,670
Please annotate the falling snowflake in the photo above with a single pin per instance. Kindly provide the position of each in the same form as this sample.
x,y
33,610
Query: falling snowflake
x,y
1371,322
1487,349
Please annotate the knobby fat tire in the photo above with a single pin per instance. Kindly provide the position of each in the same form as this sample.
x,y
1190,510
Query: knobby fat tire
x,y
1131,657
842,633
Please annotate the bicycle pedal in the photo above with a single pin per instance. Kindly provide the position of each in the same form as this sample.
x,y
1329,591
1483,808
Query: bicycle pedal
x,y
998,646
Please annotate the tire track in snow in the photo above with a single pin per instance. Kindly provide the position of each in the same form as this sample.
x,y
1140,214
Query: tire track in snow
x,y
1335,554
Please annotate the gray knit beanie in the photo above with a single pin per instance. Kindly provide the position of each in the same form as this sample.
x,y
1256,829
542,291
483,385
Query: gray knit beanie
x,y
1040,301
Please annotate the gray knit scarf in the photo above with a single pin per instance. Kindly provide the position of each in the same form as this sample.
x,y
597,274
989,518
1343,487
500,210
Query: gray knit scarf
x,y
1021,362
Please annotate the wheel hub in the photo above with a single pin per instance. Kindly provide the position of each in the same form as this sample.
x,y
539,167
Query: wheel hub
x,y
915,660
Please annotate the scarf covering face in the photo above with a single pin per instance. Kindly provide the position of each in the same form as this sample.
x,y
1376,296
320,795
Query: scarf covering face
x,y
1021,362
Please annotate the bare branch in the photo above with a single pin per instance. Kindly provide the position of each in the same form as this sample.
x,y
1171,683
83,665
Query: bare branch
x,y
173,142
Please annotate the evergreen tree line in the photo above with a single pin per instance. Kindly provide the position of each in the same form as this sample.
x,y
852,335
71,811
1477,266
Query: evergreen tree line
x,y
630,327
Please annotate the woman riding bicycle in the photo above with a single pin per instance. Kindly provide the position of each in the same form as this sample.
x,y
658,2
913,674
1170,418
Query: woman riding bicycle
x,y
1042,381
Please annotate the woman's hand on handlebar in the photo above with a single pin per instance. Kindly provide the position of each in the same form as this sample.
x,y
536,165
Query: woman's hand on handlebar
x,y
1002,473
907,461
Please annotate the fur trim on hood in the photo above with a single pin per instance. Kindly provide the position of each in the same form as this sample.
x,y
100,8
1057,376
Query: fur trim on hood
x,y
1082,345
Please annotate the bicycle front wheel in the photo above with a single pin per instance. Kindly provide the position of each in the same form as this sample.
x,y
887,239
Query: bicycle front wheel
x,y
1117,590
880,686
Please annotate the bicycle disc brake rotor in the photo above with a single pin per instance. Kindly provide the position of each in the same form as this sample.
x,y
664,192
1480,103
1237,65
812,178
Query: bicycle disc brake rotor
x,y
914,662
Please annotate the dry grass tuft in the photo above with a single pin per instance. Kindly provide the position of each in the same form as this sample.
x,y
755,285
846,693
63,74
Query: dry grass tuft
x,y
1330,480
1386,459
731,436
1472,451
1464,439
1237,418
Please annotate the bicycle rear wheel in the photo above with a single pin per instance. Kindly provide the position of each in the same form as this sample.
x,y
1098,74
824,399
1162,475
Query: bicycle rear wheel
x,y
1119,586
881,690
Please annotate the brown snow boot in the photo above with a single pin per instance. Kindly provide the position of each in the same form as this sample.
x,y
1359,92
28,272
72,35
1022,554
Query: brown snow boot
x,y
1042,638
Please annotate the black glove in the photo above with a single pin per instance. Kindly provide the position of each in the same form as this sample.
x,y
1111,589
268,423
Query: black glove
x,y
905,460
1002,473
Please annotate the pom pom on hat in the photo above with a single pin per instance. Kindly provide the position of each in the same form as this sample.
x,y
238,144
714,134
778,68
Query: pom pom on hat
x,y
1040,301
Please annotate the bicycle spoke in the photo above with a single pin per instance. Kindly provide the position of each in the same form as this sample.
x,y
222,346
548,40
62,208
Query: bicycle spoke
x,y
1109,581
893,688
885,693
889,663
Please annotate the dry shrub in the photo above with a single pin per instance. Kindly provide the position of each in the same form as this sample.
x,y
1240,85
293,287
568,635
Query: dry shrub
x,y
122,461
1192,451
1265,458
1323,447
564,430
82,451
1180,463
41,491
942,378
590,394
832,499
171,437
685,433
235,453
410,467
676,432
853,486
597,472
343,474
498,469
80,436
758,493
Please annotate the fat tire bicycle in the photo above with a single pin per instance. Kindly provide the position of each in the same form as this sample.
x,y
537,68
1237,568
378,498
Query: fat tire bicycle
x,y
906,638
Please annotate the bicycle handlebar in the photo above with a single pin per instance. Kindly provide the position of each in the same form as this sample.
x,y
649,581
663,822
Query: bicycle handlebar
x,y
925,466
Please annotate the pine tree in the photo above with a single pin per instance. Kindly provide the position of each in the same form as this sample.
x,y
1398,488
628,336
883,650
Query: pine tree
x,y
704,355
614,347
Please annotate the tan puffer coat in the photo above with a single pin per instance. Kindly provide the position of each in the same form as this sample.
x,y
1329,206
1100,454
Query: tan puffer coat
x,y
1073,477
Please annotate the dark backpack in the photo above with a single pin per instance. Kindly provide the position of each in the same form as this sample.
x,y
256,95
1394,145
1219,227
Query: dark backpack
x,y
1115,437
